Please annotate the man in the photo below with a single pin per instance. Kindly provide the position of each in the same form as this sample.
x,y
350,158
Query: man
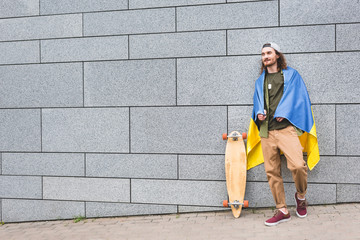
x,y
281,114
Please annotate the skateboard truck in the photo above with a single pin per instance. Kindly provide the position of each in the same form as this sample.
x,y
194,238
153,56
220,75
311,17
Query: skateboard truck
x,y
234,136
236,204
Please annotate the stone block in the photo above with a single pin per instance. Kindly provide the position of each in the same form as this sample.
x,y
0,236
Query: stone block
x,y
130,83
57,26
131,166
168,3
178,45
40,210
217,80
69,6
329,77
96,209
19,52
20,187
85,130
336,169
11,8
178,130
202,167
325,128
303,12
227,16
330,169
86,189
20,129
317,194
203,193
192,209
348,193
84,49
346,119
43,164
259,194
256,174
129,22
290,39
239,118
41,85
347,37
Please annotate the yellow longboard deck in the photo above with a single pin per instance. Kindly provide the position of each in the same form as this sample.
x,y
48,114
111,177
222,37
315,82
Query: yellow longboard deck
x,y
235,170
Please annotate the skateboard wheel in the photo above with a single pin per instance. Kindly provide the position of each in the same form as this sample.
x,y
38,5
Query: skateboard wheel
x,y
225,203
246,203
224,136
244,135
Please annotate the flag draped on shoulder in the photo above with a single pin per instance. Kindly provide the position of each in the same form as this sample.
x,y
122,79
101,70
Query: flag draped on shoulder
x,y
295,106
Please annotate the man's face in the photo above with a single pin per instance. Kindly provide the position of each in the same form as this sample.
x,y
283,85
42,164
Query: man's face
x,y
268,56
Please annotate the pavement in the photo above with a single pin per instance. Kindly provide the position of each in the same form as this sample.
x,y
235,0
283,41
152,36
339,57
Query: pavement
x,y
340,221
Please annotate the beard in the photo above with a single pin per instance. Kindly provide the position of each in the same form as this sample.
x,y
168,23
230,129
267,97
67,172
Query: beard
x,y
269,62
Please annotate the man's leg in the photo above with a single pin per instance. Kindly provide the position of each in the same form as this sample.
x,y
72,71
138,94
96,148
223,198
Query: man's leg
x,y
289,144
272,166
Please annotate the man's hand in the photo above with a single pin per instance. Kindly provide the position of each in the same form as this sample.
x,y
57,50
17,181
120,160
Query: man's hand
x,y
279,119
262,117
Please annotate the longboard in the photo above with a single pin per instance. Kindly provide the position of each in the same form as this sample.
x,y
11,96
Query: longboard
x,y
235,170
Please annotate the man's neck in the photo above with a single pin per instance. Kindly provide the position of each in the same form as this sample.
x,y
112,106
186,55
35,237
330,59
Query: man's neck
x,y
272,69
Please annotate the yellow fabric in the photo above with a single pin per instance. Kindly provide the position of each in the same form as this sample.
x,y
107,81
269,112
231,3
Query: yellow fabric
x,y
254,151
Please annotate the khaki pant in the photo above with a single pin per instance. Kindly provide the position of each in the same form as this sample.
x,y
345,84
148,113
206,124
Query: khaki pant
x,y
288,142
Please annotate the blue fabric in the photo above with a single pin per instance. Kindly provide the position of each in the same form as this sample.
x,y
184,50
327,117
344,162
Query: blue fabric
x,y
295,103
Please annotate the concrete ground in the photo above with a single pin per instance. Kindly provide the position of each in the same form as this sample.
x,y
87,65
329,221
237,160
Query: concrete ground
x,y
341,221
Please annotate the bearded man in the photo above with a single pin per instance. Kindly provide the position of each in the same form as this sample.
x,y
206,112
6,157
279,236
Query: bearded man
x,y
282,121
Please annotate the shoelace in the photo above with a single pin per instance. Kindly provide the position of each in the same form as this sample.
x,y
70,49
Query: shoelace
x,y
278,212
303,204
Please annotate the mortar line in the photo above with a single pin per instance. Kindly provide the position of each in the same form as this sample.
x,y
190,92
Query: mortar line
x,y
128,47
40,51
335,37
85,160
279,24
130,186
42,188
173,57
336,130
41,131
227,119
83,82
175,19
336,192
176,82
226,44
82,24
129,130
178,167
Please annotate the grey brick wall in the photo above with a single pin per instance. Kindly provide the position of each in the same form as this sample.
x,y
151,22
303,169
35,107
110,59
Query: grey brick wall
x,y
116,107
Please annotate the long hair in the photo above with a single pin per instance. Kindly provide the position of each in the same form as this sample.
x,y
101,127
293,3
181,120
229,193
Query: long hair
x,y
281,62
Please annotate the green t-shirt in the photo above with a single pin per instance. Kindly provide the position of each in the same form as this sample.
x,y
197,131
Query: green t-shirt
x,y
275,88
273,92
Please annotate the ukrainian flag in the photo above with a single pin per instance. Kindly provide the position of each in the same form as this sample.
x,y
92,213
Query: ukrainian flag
x,y
296,107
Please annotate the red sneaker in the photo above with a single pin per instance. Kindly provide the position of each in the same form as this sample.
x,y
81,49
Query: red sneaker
x,y
278,217
301,207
